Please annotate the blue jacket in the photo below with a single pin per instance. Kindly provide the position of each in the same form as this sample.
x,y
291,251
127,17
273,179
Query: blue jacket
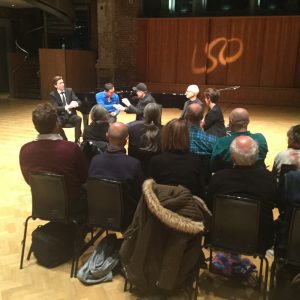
x,y
109,105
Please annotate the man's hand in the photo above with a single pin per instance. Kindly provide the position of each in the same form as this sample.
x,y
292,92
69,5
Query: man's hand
x,y
126,102
119,107
113,114
73,104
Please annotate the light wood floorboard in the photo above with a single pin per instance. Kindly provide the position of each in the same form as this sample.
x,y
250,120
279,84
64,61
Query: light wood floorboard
x,y
36,282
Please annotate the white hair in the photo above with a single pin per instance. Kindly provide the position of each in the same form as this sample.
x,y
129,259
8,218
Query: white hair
x,y
193,88
242,156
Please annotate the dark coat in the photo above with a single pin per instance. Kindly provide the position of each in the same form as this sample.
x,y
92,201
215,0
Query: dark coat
x,y
139,108
163,243
254,182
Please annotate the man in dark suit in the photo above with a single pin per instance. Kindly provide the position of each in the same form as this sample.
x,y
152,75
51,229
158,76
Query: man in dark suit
x,y
65,102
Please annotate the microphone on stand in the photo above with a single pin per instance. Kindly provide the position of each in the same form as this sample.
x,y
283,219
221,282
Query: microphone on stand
x,y
230,88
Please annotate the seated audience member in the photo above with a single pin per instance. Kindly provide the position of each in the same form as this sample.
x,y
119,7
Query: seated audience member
x,y
289,198
175,165
145,135
201,142
114,164
50,153
108,98
238,123
213,121
248,180
65,102
291,156
97,130
144,98
94,135
192,94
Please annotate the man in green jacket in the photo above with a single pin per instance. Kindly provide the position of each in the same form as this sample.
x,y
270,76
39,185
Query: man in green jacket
x,y
238,123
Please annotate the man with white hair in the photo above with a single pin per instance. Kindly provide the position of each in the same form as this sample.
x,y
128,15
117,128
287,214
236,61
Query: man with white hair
x,y
238,122
191,93
247,179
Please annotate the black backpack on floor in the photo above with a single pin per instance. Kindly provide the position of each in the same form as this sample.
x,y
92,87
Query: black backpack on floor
x,y
53,243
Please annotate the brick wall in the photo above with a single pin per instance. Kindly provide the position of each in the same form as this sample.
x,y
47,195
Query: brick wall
x,y
117,41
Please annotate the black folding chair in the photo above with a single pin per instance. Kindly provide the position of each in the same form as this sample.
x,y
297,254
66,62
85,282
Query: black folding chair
x,y
105,209
235,229
293,249
49,202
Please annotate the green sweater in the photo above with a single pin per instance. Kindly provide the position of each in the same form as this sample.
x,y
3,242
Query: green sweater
x,y
220,157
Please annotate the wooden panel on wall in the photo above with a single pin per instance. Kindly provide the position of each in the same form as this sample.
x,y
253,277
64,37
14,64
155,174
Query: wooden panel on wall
x,y
219,34
142,52
77,67
52,63
281,48
15,61
190,56
162,50
253,52
249,34
80,70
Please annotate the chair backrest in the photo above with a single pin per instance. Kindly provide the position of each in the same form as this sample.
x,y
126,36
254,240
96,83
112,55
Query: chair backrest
x,y
293,250
49,196
235,224
105,203
292,188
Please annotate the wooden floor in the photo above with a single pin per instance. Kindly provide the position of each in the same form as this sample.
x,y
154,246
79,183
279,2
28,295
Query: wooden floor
x,y
36,282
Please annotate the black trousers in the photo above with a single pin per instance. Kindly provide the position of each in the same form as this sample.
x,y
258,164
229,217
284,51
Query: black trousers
x,y
68,121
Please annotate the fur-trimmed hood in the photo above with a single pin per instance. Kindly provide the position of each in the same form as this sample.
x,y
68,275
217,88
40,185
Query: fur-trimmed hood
x,y
176,207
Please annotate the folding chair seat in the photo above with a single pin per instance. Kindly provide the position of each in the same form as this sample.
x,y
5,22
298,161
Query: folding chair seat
x,y
235,229
50,202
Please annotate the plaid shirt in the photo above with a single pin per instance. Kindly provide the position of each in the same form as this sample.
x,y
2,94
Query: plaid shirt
x,y
201,143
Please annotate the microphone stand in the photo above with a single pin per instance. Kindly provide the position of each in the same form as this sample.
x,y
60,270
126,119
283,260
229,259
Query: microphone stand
x,y
230,88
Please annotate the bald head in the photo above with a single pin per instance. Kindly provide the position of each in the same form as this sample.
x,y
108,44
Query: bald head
x,y
192,92
117,134
194,113
244,151
239,119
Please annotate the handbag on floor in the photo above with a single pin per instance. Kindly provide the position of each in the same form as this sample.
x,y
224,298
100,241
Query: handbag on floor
x,y
53,243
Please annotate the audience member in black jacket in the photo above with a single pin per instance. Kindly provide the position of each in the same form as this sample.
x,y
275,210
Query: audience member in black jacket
x,y
116,165
213,120
97,130
247,179
175,165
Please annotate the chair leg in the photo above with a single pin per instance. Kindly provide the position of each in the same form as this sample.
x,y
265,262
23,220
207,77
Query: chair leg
x,y
260,273
266,278
75,256
196,284
272,279
210,260
29,252
24,241
125,285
